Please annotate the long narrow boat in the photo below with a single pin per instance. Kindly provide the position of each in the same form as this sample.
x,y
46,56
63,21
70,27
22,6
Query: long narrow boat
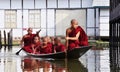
x,y
72,54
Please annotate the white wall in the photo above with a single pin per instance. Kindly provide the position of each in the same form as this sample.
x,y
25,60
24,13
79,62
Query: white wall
x,y
28,4
16,4
52,3
19,18
40,4
62,3
63,18
75,3
87,3
90,22
101,2
2,19
90,18
104,22
51,22
4,4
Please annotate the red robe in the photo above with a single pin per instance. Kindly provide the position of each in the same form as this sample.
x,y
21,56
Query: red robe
x,y
46,50
50,44
29,39
60,48
37,46
28,48
82,40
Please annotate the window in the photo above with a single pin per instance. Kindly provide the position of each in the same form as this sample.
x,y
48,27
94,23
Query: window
x,y
10,18
34,19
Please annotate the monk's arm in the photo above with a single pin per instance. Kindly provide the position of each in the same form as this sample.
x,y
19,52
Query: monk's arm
x,y
67,35
74,38
67,32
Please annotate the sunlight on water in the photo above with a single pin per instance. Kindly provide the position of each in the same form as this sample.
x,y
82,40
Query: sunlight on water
x,y
92,61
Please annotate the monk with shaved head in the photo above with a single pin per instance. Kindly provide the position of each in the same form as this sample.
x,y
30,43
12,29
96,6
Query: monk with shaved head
x,y
59,47
27,40
76,36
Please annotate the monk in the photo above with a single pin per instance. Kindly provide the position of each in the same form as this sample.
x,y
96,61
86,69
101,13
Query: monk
x,y
59,47
45,47
27,40
76,36
36,45
49,41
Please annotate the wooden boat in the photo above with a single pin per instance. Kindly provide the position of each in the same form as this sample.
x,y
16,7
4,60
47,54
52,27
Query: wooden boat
x,y
72,54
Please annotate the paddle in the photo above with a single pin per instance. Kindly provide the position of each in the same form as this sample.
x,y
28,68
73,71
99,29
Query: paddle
x,y
17,53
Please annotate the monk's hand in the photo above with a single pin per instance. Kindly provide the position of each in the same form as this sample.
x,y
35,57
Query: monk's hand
x,y
65,50
67,38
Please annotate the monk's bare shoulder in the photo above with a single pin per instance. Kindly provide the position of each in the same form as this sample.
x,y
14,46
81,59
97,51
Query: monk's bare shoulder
x,y
68,30
25,36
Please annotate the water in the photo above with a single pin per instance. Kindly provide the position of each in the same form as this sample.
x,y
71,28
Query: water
x,y
92,61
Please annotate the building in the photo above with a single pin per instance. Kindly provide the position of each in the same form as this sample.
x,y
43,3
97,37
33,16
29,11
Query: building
x,y
53,16
115,35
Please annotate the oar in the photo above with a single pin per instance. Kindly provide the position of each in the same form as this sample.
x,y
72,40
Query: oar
x,y
38,32
17,53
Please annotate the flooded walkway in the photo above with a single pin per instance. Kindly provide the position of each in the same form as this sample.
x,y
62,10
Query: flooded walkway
x,y
92,61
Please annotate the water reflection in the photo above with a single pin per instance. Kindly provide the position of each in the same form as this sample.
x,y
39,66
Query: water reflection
x,y
92,61
29,65
36,65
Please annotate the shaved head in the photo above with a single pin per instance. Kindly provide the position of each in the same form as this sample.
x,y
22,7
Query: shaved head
x,y
73,20
74,23
29,30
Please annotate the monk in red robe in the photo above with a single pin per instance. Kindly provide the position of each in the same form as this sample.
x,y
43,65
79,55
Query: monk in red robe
x,y
59,47
27,40
49,42
45,47
76,36
36,45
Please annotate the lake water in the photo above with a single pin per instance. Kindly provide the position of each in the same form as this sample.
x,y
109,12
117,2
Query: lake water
x,y
92,61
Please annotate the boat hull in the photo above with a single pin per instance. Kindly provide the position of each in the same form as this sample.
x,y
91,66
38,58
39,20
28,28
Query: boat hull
x,y
72,54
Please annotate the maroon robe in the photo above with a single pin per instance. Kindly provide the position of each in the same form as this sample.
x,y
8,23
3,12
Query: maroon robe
x,y
28,48
46,49
60,48
82,40
37,46
50,44
29,39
